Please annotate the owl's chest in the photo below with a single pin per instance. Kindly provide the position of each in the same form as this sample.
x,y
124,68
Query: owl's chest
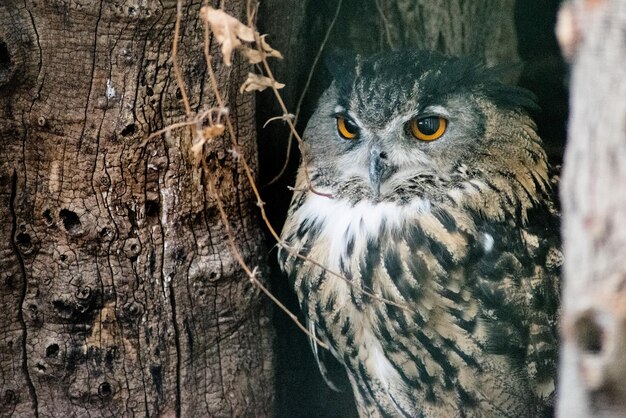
x,y
337,232
369,260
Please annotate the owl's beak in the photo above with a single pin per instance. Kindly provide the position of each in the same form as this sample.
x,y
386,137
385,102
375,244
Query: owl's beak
x,y
378,169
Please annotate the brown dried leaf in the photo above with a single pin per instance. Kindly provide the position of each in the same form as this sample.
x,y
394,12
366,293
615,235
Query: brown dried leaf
x,y
268,49
213,131
196,149
254,55
256,82
228,31
208,133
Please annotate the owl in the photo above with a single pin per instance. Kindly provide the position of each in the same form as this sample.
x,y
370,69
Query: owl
x,y
422,239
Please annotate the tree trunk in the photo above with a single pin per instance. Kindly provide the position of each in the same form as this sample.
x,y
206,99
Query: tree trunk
x,y
119,292
593,362
484,29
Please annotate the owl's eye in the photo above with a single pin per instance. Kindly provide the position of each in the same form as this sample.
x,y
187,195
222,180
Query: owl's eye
x,y
429,128
346,128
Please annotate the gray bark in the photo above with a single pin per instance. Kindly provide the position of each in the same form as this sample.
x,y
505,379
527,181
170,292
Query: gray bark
x,y
593,362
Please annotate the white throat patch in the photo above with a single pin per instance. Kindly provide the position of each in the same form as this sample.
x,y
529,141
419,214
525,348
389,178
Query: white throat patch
x,y
341,221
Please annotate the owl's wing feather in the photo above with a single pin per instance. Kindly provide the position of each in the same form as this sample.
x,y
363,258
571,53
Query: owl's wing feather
x,y
478,287
322,358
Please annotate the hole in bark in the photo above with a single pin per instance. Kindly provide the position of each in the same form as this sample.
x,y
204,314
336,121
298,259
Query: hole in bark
x,y
41,367
152,208
132,248
149,91
441,43
10,398
129,129
23,240
105,390
5,57
157,378
47,215
133,310
9,282
63,309
71,222
52,350
83,293
63,257
589,335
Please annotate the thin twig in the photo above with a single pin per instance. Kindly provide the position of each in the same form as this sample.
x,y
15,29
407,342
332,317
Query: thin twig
x,y
251,273
310,188
283,117
179,76
386,24
177,125
290,314
291,124
305,89
248,171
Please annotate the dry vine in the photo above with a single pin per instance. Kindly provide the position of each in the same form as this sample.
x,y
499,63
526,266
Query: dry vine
x,y
232,35
304,90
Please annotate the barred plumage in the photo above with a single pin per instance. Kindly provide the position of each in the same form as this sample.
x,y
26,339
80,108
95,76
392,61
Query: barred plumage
x,y
440,288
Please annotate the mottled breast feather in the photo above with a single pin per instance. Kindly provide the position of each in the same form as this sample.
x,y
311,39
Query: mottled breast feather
x,y
432,307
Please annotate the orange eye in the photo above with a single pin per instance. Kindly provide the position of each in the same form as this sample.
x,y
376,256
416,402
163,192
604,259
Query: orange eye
x,y
346,128
429,128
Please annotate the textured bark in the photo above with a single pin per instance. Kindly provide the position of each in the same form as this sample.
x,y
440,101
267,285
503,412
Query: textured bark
x,y
119,293
484,29
593,363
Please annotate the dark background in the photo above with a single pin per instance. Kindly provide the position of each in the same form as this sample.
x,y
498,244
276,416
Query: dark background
x,y
301,391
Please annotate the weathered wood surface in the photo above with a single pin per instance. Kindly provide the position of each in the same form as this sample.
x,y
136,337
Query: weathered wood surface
x,y
593,362
118,291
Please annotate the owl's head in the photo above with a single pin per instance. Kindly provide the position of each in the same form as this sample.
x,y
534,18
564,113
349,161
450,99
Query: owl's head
x,y
398,124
